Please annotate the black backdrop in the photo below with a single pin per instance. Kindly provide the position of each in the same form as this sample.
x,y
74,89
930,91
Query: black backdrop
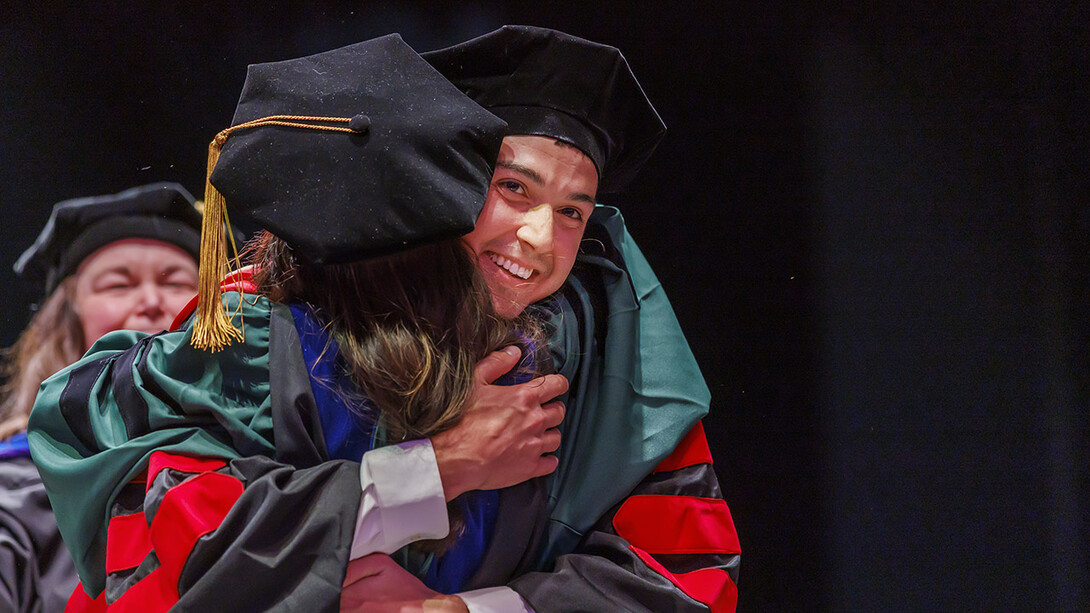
x,y
870,222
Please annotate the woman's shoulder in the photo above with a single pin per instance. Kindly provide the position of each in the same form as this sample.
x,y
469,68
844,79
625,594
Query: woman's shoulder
x,y
166,363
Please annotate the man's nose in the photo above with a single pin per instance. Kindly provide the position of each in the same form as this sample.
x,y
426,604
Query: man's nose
x,y
537,227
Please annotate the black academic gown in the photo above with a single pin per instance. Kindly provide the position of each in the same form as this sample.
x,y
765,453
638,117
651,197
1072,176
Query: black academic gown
x,y
180,473
36,572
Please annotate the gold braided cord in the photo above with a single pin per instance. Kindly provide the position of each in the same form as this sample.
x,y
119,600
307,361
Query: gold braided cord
x,y
213,328
289,121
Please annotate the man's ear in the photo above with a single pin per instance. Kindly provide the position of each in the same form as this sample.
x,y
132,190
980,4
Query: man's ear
x,y
591,246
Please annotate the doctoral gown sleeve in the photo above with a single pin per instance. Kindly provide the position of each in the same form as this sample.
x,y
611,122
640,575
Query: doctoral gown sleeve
x,y
635,515
668,546
178,473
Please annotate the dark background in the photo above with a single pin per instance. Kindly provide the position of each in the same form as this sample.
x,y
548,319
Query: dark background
x,y
871,223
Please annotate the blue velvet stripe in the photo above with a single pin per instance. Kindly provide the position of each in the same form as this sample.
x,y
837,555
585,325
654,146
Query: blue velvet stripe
x,y
449,573
15,447
347,431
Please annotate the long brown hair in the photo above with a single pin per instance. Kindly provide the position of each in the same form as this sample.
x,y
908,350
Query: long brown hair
x,y
410,326
52,340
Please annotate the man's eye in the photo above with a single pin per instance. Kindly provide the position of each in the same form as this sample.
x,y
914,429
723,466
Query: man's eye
x,y
511,186
572,212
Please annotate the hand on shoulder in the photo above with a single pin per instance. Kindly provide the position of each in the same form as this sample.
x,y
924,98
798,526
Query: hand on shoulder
x,y
507,433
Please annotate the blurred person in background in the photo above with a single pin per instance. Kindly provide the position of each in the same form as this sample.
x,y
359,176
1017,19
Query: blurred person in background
x,y
125,261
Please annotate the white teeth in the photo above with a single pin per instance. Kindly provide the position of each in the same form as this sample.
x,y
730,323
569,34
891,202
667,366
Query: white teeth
x,y
511,267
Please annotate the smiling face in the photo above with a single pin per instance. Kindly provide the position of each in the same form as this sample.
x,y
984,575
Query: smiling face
x,y
528,233
133,284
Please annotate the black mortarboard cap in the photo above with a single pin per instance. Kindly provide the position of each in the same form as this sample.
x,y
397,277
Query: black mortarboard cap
x,y
348,154
415,168
78,227
548,83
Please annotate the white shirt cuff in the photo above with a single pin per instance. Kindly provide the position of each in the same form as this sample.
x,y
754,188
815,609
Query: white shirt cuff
x,y
494,600
402,499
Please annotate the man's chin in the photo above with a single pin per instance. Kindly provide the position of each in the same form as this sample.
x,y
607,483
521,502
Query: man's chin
x,y
510,310
506,306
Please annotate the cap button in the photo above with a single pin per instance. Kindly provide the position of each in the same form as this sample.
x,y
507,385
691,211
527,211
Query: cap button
x,y
360,123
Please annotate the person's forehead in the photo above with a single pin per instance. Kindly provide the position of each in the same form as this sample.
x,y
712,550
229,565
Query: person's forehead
x,y
544,159
517,142
134,251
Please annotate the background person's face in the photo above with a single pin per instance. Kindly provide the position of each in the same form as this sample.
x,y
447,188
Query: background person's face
x,y
528,233
133,284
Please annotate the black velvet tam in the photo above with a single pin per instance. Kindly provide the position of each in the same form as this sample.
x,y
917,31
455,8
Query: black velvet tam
x,y
548,83
78,227
416,170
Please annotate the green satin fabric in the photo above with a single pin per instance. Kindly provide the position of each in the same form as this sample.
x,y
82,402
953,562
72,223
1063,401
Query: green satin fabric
x,y
214,404
628,410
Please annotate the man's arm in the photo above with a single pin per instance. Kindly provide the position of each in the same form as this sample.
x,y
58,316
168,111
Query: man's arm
x,y
504,438
669,546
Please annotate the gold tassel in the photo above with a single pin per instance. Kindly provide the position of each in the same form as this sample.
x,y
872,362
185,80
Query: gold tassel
x,y
214,329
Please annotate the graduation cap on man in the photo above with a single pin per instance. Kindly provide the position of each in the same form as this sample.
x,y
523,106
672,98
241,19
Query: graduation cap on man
x,y
547,83
348,154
